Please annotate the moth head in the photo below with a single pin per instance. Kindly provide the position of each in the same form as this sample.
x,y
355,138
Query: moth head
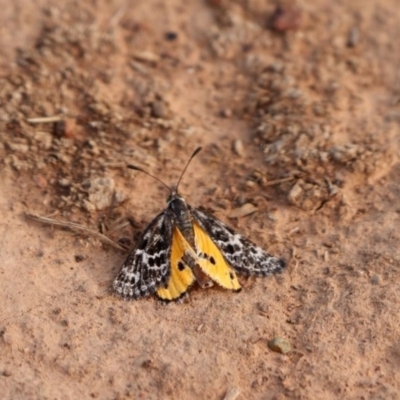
x,y
175,196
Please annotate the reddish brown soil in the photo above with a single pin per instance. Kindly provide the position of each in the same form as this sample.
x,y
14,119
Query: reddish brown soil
x,y
302,122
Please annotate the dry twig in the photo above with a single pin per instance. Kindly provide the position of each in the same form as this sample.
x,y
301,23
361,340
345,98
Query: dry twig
x,y
75,227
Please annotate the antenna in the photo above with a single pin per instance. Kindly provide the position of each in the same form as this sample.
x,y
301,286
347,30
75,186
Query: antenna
x,y
159,180
142,170
197,151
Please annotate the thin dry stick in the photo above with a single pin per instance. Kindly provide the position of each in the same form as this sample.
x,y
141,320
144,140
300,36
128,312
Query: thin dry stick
x,y
40,120
277,181
75,227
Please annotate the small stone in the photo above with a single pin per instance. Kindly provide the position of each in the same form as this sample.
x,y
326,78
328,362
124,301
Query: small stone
x,y
250,184
170,36
147,363
279,345
7,373
119,197
64,182
286,17
271,217
40,181
92,144
8,338
354,37
88,206
295,193
238,147
59,128
79,258
159,109
242,211
375,280
226,113
65,128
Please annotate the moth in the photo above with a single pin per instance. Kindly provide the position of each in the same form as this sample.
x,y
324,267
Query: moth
x,y
184,245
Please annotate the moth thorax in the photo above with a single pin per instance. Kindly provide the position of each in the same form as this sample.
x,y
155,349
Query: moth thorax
x,y
183,218
179,207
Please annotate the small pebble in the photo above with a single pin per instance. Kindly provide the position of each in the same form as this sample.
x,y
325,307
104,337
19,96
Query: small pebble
x,y
119,197
159,109
171,36
226,113
88,206
250,184
353,38
375,280
40,181
65,128
79,258
279,345
59,128
295,193
238,147
285,18
147,363
64,182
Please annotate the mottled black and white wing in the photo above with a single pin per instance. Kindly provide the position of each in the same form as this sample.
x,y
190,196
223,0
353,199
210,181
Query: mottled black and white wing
x,y
243,255
148,264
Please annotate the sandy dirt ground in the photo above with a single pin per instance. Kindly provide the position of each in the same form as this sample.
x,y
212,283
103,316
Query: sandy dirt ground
x,y
297,108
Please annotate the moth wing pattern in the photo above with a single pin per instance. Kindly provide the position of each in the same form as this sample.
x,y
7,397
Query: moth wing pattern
x,y
181,277
211,260
148,264
242,254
